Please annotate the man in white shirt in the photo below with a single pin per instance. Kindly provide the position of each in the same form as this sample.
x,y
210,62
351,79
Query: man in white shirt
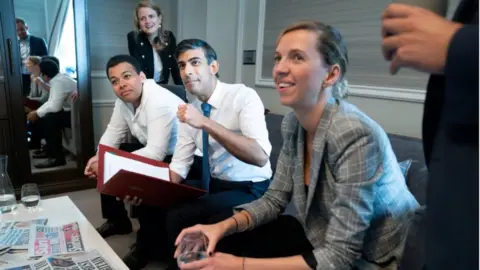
x,y
54,114
236,167
146,111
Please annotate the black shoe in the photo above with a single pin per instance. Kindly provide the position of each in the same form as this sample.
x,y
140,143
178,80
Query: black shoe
x,y
38,152
137,258
41,154
110,228
50,163
33,146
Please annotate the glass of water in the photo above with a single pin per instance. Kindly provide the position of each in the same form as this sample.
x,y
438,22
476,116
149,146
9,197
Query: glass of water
x,y
30,196
192,248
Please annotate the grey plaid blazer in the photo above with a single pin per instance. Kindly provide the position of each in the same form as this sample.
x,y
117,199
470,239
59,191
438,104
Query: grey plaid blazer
x,y
357,209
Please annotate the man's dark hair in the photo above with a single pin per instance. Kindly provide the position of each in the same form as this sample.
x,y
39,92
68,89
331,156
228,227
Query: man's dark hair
x,y
194,43
20,20
49,68
123,58
52,58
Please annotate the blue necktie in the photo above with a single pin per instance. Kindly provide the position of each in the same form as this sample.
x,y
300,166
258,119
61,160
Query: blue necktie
x,y
205,167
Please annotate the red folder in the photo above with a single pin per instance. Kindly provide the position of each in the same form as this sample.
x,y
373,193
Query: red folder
x,y
151,190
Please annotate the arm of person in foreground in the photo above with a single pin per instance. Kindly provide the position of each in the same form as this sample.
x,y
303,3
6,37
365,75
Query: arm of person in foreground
x,y
252,146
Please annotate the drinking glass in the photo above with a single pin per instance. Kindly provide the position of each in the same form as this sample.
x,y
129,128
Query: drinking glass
x,y
30,196
192,248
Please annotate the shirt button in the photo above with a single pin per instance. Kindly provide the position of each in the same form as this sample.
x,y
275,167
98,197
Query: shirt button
x,y
141,43
143,56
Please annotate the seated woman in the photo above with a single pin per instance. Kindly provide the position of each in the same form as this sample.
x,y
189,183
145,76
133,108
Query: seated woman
x,y
336,164
38,94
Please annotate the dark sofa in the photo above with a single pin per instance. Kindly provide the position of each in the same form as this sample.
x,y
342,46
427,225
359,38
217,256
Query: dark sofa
x,y
404,148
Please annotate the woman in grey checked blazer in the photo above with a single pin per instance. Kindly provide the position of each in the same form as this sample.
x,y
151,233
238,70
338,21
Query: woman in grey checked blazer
x,y
336,165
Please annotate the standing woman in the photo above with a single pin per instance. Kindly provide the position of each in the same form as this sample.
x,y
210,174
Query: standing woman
x,y
152,45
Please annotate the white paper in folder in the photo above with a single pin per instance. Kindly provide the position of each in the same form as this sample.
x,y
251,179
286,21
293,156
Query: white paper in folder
x,y
114,163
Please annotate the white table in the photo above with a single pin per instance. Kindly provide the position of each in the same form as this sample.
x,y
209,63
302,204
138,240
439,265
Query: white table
x,y
62,210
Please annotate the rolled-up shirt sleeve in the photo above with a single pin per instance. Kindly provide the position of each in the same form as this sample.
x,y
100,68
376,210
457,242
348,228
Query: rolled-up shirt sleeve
x,y
161,122
116,130
184,151
59,92
252,120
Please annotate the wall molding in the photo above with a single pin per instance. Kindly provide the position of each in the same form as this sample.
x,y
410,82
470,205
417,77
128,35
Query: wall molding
x,y
240,34
98,74
102,103
367,91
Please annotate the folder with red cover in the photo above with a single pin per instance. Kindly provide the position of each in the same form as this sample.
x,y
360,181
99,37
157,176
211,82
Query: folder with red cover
x,y
134,175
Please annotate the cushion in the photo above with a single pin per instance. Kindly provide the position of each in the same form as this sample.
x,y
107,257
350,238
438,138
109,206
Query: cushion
x,y
405,166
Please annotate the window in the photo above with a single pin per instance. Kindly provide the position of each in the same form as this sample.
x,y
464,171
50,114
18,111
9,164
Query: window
x,y
66,51
358,21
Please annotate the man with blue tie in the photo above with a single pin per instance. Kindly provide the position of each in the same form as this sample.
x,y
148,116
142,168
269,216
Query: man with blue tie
x,y
227,124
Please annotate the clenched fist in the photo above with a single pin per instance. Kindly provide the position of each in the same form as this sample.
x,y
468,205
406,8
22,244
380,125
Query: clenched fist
x,y
189,114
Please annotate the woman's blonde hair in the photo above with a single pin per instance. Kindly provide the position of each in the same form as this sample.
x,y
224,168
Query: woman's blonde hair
x,y
331,46
160,41
35,59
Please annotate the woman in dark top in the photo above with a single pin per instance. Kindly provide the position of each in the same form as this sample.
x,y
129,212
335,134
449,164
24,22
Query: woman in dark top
x,y
153,46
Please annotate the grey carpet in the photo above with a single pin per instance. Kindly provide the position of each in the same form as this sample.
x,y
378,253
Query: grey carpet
x,y
88,201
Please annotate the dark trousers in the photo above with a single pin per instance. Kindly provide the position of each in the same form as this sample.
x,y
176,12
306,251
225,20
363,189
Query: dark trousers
x,y
26,81
208,209
50,127
452,202
282,237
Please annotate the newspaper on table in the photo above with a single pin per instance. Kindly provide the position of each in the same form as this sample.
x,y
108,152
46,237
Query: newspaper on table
x,y
16,234
91,260
15,257
54,240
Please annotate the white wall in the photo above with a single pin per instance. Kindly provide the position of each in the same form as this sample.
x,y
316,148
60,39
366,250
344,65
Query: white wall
x,y
398,112
202,19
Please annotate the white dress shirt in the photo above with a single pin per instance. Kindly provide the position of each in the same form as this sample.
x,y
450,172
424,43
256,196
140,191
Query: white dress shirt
x,y
24,53
239,109
154,123
157,66
61,88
